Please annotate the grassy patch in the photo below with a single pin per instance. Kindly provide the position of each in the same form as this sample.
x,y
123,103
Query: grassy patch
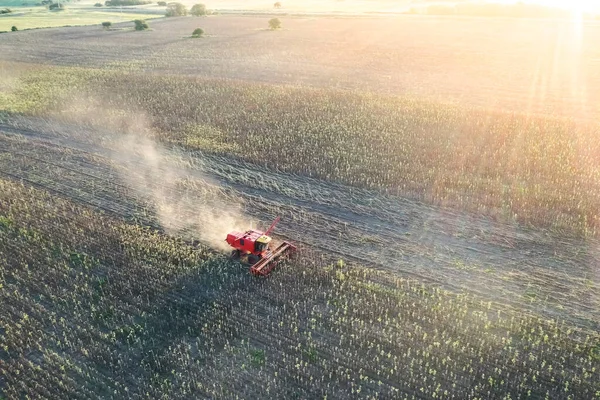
x,y
42,18
208,138
257,357
5,222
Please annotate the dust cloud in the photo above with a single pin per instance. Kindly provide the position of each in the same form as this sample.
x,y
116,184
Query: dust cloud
x,y
186,201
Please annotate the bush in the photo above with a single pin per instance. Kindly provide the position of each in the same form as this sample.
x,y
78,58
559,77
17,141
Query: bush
x,y
140,25
6,11
277,5
106,25
176,10
98,5
274,23
198,32
198,10
56,6
162,3
14,28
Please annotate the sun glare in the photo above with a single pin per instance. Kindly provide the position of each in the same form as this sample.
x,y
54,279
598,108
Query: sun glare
x,y
574,5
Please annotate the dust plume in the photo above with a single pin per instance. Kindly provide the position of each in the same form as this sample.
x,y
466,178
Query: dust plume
x,y
186,201
10,73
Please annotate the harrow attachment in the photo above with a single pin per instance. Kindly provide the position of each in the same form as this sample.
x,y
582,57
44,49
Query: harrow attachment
x,y
272,258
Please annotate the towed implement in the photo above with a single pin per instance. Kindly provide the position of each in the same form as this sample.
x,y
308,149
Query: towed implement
x,y
253,247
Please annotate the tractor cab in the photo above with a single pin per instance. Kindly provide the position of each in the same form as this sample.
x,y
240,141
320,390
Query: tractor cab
x,y
262,243
249,242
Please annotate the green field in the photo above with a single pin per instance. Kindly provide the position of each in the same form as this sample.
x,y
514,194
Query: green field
x,y
39,17
12,3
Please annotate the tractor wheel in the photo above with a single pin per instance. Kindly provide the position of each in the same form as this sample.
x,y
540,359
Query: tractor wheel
x,y
235,254
252,259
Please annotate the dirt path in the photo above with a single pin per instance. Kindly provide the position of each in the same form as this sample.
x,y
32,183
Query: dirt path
x,y
558,277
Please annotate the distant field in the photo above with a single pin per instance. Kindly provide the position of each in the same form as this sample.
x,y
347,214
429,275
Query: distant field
x,y
37,17
310,6
316,7
531,66
12,3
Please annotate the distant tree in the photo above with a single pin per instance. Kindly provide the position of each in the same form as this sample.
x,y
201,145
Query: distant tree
x,y
277,5
56,6
14,28
107,25
5,11
162,3
140,25
198,10
274,23
176,10
98,5
198,32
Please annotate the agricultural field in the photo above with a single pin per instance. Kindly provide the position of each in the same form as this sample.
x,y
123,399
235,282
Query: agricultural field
x,y
47,19
28,15
531,67
446,216
126,287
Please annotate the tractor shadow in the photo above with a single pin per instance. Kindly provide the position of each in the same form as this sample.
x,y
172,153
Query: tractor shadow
x,y
186,327
196,309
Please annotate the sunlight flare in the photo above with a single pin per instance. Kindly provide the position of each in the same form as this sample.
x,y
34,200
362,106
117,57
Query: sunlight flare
x,y
577,6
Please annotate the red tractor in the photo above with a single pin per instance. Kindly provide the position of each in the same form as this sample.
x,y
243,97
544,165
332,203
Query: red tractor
x,y
253,247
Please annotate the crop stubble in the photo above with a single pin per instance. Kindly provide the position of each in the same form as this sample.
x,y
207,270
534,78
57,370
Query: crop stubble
x,y
455,250
112,309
